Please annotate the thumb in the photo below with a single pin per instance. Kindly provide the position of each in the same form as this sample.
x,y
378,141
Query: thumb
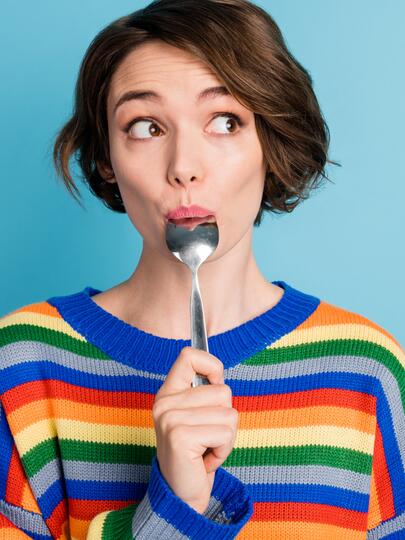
x,y
213,459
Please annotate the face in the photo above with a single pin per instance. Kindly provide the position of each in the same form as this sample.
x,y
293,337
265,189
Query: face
x,y
179,151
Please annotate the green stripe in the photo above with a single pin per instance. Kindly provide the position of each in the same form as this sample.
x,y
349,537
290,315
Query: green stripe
x,y
40,455
337,347
118,524
54,338
341,458
106,452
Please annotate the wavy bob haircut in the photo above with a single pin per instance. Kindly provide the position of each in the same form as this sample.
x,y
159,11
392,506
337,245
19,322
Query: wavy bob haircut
x,y
244,47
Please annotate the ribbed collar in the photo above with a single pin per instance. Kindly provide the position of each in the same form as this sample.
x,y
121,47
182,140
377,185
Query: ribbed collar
x,y
149,352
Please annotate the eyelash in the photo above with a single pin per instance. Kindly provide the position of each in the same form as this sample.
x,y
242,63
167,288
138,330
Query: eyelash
x,y
236,117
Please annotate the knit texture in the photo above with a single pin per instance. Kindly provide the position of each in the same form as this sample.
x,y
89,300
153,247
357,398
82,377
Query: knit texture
x,y
320,446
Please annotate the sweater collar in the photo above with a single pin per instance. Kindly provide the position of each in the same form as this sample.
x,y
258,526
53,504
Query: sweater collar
x,y
143,350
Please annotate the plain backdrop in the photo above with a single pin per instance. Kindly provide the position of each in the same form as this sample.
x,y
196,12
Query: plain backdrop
x,y
345,244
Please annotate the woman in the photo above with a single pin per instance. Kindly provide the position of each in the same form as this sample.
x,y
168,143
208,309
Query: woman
x,y
181,104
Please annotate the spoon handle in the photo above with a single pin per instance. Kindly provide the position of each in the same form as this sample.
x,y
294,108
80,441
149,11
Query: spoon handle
x,y
198,332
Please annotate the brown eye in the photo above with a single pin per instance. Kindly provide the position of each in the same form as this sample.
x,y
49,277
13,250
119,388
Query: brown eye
x,y
143,132
229,120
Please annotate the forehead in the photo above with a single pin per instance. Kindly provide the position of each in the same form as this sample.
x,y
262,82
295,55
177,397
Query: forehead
x,y
158,63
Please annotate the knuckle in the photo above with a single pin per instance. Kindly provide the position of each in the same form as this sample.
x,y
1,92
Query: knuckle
x,y
166,421
177,435
158,408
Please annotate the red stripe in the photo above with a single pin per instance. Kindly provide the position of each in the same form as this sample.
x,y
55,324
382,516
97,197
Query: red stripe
x,y
86,509
50,388
15,479
313,512
307,398
263,511
57,519
382,478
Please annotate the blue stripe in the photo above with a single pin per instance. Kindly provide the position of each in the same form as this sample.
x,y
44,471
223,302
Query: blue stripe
x,y
109,491
51,498
6,448
315,493
391,450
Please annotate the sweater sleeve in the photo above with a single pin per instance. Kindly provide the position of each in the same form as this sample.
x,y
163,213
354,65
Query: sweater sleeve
x,y
386,515
20,516
162,515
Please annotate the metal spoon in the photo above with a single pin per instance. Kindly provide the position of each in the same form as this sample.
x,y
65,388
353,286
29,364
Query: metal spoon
x,y
193,247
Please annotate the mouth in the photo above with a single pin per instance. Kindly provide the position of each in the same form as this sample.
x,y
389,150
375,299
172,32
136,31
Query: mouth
x,y
192,222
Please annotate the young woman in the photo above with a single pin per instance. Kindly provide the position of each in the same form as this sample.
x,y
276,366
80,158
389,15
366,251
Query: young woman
x,y
183,104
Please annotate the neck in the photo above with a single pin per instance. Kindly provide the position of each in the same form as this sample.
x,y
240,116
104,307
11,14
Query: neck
x,y
156,297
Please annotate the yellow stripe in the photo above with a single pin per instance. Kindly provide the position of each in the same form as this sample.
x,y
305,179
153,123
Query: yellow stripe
x,y
327,332
43,321
249,438
34,434
95,529
310,435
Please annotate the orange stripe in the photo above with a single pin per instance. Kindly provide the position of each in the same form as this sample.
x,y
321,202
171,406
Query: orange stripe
x,y
293,530
39,307
374,514
8,531
327,314
28,500
56,408
78,527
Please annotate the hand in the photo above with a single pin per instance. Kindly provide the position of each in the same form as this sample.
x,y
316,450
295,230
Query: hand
x,y
189,420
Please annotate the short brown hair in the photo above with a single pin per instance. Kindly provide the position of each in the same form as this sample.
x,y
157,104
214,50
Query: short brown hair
x,y
243,45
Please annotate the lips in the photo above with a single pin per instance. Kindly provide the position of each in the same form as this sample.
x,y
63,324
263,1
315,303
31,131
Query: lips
x,y
189,212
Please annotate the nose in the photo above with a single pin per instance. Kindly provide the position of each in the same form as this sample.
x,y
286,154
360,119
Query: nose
x,y
187,156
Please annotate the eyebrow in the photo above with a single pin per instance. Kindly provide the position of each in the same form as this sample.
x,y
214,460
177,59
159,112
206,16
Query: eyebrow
x,y
150,95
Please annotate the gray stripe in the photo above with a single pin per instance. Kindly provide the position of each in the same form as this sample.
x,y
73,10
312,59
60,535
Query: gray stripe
x,y
395,524
358,365
29,351
45,477
277,474
216,513
17,352
146,524
24,519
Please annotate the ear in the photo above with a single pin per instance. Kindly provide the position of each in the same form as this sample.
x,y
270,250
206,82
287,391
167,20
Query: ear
x,y
106,172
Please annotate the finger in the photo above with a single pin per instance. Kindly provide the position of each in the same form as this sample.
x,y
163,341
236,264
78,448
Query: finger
x,y
189,362
199,416
207,395
197,439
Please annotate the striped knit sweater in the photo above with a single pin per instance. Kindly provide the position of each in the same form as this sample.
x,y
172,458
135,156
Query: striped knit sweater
x,y
320,446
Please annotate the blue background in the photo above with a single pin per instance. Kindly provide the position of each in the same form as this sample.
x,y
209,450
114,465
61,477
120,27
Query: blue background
x,y
345,244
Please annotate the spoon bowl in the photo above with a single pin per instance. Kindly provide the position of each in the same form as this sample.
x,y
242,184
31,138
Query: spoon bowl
x,y
192,247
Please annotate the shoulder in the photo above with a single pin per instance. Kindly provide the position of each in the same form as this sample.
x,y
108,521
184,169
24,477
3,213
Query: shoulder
x,y
357,335
31,321
28,335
